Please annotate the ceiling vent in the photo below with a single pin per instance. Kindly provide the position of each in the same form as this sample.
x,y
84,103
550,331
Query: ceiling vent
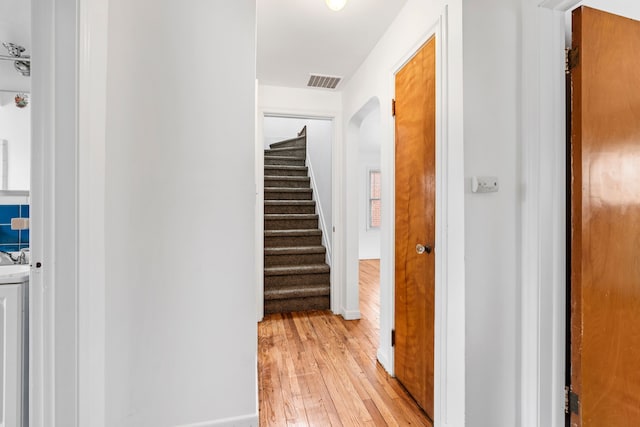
x,y
325,82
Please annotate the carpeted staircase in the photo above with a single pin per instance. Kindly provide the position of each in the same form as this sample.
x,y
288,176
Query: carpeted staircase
x,y
296,277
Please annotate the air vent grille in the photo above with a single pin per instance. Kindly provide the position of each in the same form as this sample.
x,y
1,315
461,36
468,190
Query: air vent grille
x,y
326,82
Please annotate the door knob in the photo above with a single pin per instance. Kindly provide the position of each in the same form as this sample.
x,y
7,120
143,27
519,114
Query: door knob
x,y
420,249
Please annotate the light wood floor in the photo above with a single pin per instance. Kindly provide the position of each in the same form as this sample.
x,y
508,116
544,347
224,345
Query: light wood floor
x,y
316,369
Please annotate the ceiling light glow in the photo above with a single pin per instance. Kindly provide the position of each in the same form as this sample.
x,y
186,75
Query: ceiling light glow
x,y
336,4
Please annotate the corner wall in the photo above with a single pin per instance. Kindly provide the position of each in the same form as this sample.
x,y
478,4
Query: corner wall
x,y
492,143
181,335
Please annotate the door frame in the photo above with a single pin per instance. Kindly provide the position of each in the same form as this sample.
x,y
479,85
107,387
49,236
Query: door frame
x,y
67,334
336,177
449,331
542,297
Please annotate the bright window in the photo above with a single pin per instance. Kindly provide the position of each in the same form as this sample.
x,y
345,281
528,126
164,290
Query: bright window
x,y
374,199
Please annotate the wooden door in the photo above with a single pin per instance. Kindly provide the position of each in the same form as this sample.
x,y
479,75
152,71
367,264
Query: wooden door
x,y
605,242
415,125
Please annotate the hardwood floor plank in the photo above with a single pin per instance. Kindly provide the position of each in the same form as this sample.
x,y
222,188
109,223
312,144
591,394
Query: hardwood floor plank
x,y
318,402
291,395
316,369
375,414
272,396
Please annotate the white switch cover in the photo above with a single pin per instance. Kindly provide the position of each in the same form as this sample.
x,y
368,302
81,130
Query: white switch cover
x,y
484,184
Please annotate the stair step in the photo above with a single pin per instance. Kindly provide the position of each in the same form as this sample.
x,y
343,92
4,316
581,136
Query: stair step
x,y
290,221
294,256
285,170
289,207
288,238
297,141
297,304
271,282
297,270
294,250
299,152
287,181
297,291
280,193
287,276
272,160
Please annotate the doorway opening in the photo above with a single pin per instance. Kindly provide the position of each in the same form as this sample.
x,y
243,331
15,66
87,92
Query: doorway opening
x,y
369,212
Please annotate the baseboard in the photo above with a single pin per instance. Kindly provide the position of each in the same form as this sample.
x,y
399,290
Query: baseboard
x,y
384,361
251,420
351,314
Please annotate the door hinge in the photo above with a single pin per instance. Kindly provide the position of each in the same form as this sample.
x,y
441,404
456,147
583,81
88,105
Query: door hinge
x,y
571,402
393,107
393,338
571,59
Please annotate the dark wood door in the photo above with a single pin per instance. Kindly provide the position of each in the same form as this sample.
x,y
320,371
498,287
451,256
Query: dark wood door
x,y
605,216
415,126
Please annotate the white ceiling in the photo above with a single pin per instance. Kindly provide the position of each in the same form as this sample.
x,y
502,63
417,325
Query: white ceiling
x,y
15,27
300,37
295,38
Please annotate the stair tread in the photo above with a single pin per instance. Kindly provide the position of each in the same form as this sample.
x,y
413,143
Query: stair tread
x,y
288,189
293,232
295,152
286,167
292,250
297,292
280,150
296,269
290,216
277,156
292,202
301,139
286,178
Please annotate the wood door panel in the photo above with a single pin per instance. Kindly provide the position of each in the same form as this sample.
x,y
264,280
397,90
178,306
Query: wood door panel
x,y
605,264
415,223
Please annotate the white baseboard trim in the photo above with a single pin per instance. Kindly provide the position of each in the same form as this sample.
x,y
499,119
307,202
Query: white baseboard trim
x,y
384,361
250,420
351,314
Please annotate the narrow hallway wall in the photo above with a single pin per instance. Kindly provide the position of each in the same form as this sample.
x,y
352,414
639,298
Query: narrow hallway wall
x,y
180,197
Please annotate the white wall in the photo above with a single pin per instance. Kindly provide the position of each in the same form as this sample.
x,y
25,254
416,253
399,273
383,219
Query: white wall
x,y
15,127
181,337
491,104
368,160
319,140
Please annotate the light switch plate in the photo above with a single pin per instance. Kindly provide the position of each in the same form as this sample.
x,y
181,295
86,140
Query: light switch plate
x,y
484,184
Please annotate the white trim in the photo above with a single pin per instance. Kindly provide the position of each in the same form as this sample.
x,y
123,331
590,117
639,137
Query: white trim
x,y
559,5
92,83
350,314
251,420
54,312
319,211
336,263
259,210
542,293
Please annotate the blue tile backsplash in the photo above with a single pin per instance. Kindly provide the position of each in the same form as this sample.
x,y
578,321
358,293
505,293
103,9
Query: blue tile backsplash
x,y
13,240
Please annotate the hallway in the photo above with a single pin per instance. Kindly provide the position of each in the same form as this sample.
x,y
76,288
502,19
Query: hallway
x,y
316,369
